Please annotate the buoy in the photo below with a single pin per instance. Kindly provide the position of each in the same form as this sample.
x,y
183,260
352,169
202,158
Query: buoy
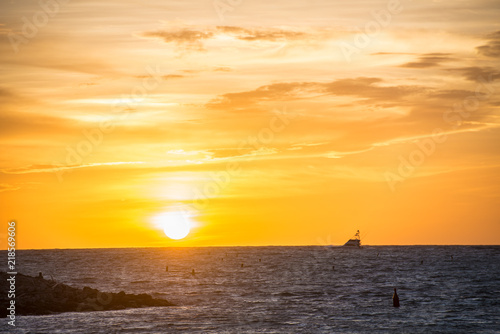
x,y
192,273
40,275
260,260
242,265
333,267
422,262
395,299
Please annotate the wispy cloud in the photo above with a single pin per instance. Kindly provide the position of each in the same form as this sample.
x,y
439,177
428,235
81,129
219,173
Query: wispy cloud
x,y
53,168
362,87
492,47
193,38
268,34
164,77
429,60
185,38
478,74
8,187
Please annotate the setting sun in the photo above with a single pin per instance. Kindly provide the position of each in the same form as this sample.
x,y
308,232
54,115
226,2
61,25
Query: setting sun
x,y
176,225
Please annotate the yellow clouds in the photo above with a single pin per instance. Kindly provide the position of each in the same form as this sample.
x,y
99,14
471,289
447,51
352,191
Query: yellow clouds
x,y
259,116
367,89
194,38
429,60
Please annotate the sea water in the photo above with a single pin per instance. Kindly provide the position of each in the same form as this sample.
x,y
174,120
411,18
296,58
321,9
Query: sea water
x,y
442,289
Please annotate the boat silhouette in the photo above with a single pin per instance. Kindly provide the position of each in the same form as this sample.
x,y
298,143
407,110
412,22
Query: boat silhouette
x,y
354,242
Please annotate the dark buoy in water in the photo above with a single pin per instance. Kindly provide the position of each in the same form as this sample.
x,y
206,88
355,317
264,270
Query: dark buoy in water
x,y
422,262
242,265
333,267
40,275
260,260
192,273
395,299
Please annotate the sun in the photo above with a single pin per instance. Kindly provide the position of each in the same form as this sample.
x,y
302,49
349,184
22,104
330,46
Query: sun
x,y
176,224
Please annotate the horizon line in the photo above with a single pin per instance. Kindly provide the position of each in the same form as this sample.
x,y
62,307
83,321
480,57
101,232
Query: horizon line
x,y
232,246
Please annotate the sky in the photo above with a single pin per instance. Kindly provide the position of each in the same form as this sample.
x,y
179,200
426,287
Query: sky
x,y
255,122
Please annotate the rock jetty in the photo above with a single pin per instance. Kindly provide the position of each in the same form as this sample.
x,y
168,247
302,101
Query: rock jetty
x,y
39,296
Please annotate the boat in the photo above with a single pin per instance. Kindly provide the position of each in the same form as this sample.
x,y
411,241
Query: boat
x,y
355,242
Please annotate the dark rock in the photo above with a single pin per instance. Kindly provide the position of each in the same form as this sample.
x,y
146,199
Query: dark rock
x,y
38,296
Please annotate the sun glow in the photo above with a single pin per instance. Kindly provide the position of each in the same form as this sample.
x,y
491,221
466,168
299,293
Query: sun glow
x,y
176,224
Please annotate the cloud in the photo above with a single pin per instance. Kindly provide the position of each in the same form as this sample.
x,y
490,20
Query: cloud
x,y
270,34
391,53
55,168
173,76
300,146
492,48
429,60
7,187
362,87
17,124
273,92
193,38
164,77
369,88
5,94
87,84
478,74
4,30
187,38
338,155
222,69
453,94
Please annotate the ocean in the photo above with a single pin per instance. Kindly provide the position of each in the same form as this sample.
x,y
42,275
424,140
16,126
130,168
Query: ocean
x,y
314,289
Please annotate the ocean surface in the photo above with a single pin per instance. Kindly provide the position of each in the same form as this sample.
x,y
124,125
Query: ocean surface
x,y
278,289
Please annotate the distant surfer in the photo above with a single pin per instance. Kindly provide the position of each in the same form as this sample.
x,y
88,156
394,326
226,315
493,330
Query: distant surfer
x,y
395,299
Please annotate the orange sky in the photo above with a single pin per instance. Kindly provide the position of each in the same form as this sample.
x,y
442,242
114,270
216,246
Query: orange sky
x,y
267,123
